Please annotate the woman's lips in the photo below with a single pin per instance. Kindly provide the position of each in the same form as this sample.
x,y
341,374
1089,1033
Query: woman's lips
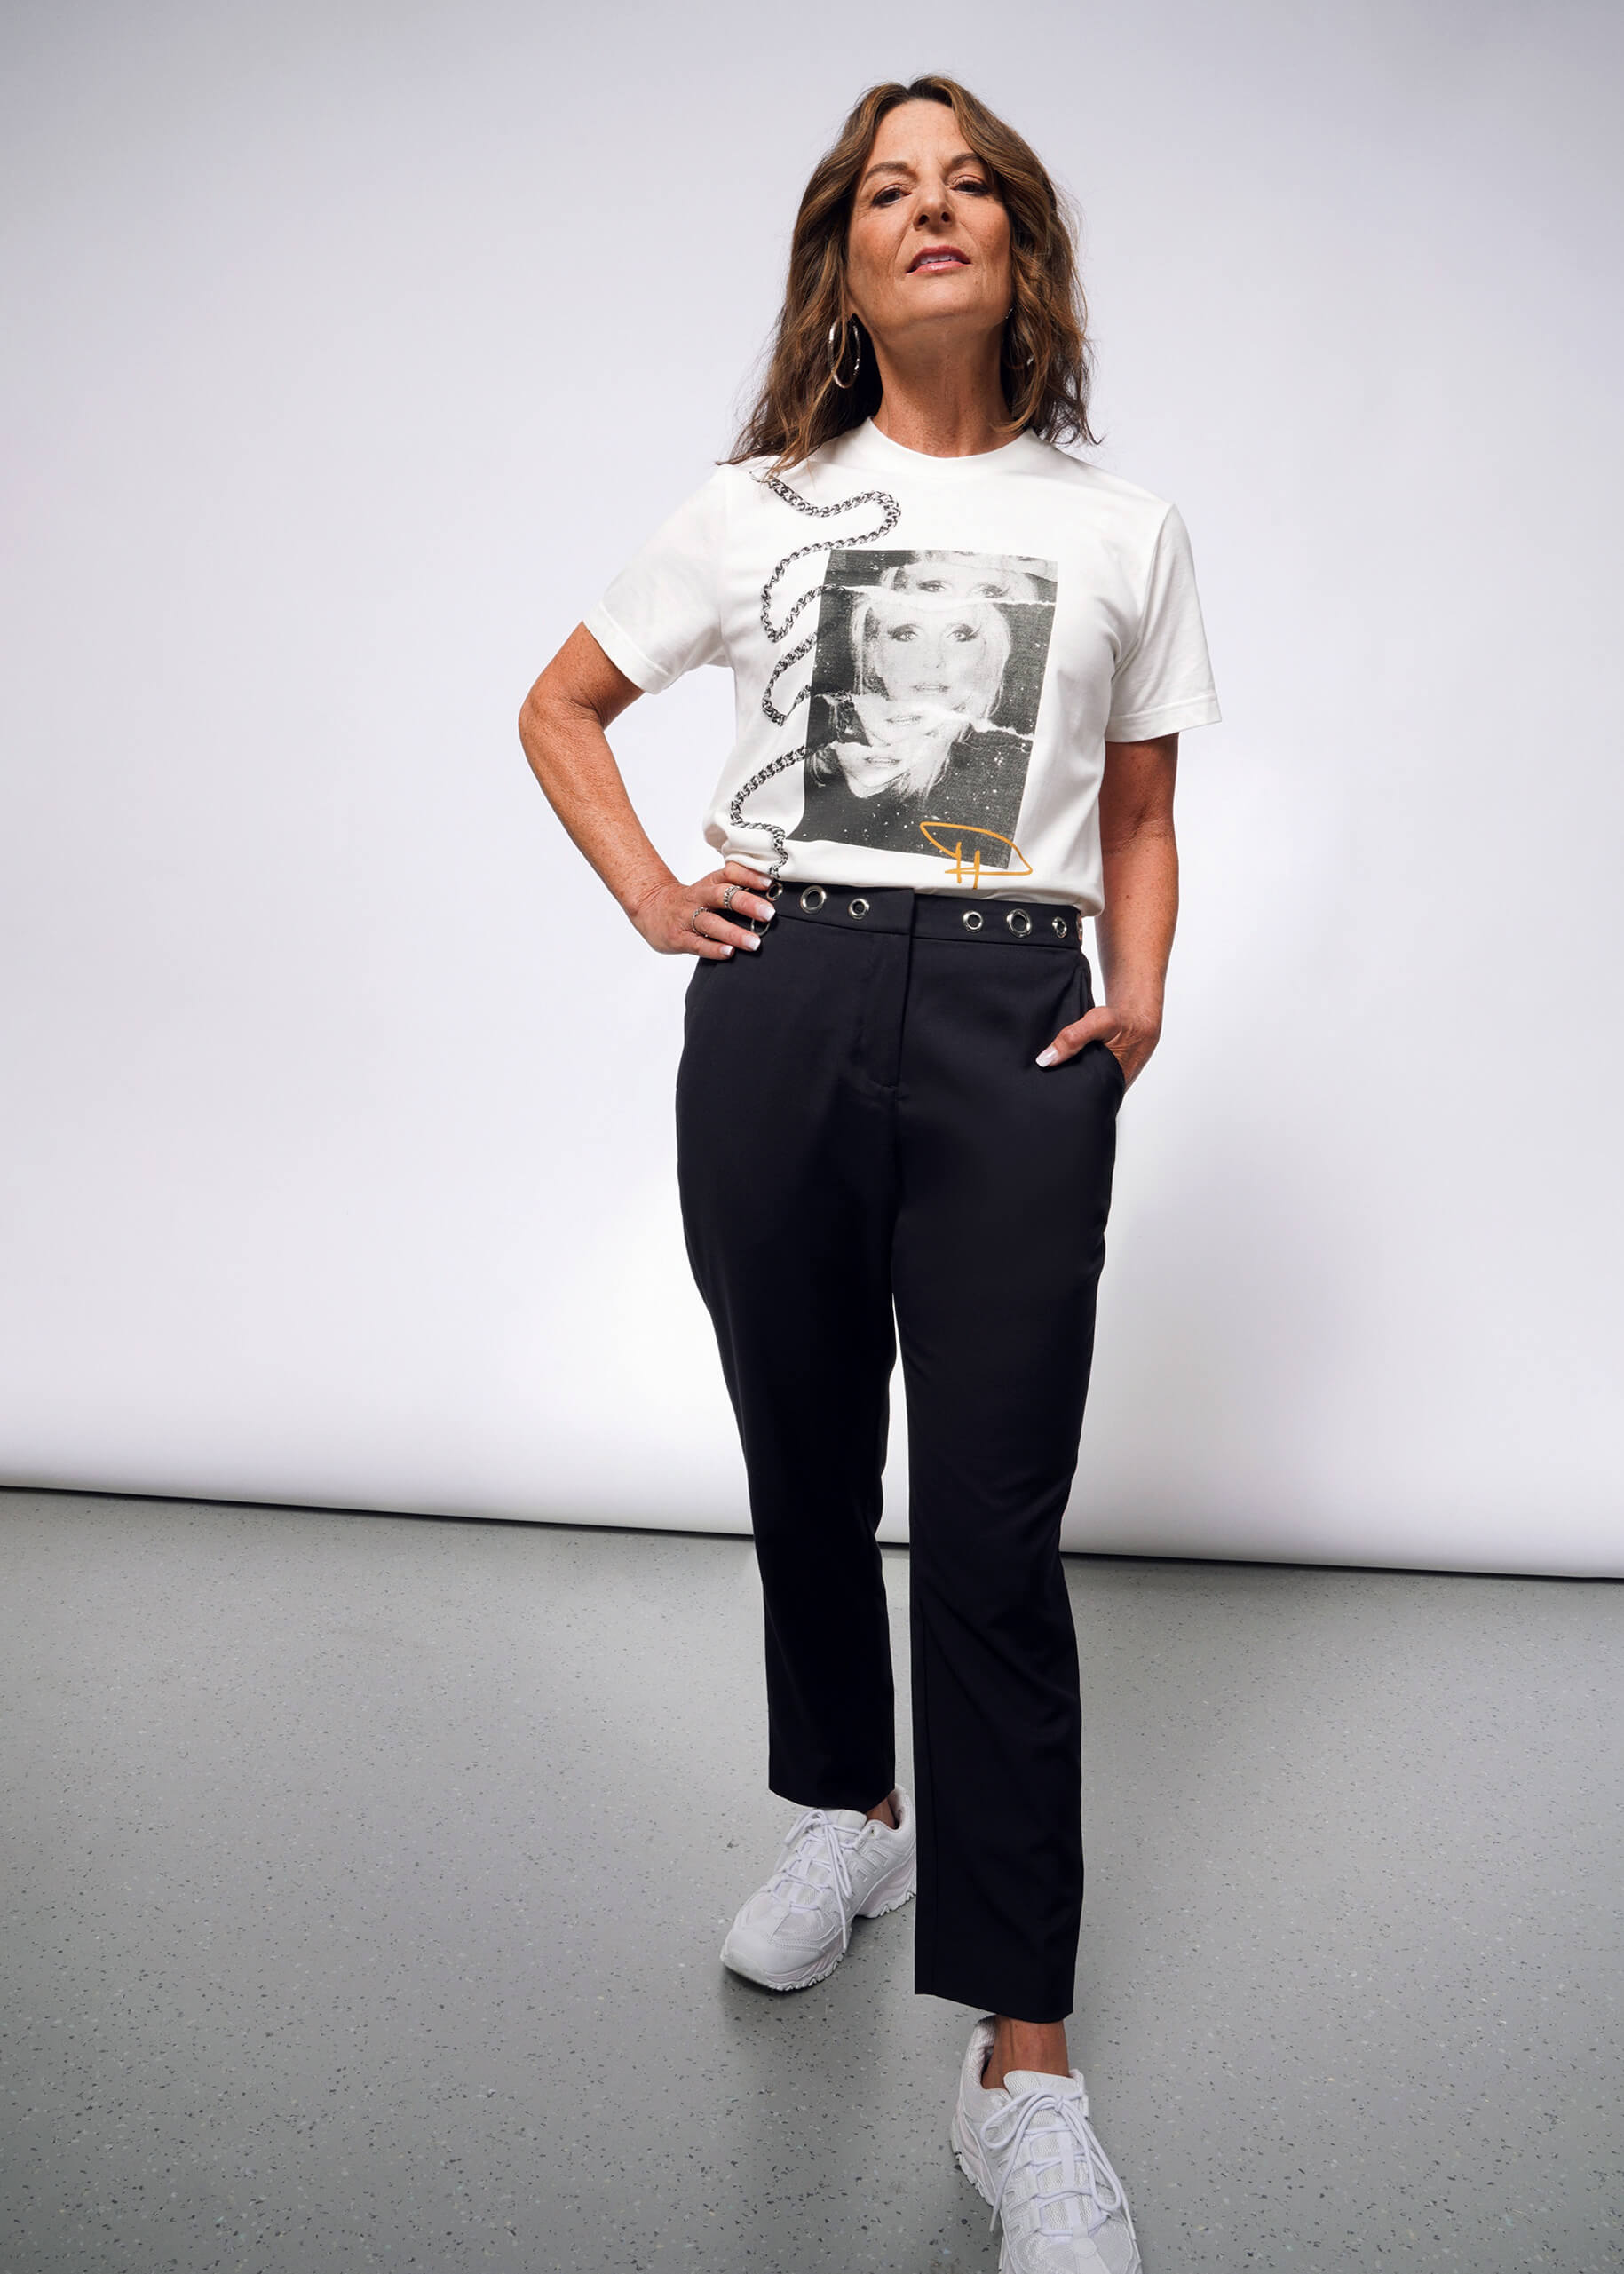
x,y
939,257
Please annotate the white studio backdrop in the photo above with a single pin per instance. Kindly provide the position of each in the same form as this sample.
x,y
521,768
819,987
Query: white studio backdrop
x,y
353,348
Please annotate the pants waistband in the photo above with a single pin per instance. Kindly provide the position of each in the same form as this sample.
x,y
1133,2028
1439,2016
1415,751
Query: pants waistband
x,y
933,915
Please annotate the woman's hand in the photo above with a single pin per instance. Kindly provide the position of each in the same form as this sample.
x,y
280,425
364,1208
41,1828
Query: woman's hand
x,y
680,919
1129,1037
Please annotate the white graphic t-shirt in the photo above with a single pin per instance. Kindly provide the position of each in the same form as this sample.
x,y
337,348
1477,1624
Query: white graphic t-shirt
x,y
928,655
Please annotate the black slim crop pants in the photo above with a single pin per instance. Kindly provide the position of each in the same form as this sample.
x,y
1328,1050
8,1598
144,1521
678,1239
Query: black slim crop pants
x,y
862,1129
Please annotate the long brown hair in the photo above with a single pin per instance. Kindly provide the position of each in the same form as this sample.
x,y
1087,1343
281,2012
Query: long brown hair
x,y
1046,364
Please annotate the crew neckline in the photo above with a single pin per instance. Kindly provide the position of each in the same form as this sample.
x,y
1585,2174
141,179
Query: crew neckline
x,y
867,442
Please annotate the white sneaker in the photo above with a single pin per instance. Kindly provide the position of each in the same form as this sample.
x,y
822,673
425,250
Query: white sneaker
x,y
835,1865
1031,2150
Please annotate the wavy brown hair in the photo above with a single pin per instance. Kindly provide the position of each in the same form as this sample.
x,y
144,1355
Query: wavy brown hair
x,y
1046,364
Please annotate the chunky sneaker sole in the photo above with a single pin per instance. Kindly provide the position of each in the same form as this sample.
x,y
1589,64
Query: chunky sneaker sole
x,y
967,2155
834,1867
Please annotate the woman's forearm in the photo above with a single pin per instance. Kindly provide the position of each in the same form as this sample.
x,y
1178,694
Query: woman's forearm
x,y
561,727
1139,859
1135,929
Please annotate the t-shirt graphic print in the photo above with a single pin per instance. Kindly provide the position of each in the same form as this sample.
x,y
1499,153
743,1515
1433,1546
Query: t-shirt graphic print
x,y
929,656
926,679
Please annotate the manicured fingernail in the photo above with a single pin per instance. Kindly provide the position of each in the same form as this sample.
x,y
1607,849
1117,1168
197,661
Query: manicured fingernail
x,y
1049,1057
727,951
752,944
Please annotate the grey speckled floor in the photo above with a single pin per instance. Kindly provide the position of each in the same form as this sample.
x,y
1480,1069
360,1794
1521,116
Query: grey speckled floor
x,y
364,1878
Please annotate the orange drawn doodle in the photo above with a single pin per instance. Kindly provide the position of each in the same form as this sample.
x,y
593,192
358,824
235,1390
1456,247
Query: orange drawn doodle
x,y
972,875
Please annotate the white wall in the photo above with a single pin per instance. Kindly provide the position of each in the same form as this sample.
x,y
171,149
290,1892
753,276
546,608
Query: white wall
x,y
360,344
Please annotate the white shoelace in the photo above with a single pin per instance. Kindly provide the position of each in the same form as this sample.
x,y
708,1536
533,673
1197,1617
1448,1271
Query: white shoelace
x,y
813,1840
1062,2120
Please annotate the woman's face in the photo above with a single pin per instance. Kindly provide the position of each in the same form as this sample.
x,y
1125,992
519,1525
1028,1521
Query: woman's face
x,y
929,244
939,655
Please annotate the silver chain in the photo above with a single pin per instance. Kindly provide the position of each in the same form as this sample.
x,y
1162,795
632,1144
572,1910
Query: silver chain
x,y
893,513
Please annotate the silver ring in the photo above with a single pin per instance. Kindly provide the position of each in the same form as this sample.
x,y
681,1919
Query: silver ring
x,y
727,897
694,919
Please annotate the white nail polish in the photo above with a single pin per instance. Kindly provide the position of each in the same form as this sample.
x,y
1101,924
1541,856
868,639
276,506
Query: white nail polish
x,y
1049,1057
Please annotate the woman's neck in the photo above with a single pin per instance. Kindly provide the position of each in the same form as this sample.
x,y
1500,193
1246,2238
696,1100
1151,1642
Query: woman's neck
x,y
945,406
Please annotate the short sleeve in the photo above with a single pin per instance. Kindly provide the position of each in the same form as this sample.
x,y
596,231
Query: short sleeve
x,y
1163,682
661,616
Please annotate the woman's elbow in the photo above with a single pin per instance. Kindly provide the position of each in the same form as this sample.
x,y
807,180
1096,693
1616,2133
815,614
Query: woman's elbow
x,y
536,715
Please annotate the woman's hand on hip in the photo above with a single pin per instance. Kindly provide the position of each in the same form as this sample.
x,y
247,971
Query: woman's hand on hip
x,y
1130,1036
678,919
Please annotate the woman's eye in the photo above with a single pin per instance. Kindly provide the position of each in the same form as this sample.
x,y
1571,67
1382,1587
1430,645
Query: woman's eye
x,y
903,632
888,196
963,631
973,182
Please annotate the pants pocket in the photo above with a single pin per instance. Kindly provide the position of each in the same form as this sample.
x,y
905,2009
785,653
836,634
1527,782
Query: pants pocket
x,y
1114,1073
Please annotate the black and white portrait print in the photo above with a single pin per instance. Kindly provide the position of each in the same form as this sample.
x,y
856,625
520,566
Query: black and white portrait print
x,y
926,679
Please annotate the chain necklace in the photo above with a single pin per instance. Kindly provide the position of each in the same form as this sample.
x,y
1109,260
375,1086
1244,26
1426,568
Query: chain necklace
x,y
891,513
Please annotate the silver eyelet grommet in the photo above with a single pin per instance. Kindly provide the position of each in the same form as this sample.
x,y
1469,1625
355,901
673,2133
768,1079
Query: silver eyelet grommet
x,y
973,920
859,907
775,888
812,898
1058,924
1019,922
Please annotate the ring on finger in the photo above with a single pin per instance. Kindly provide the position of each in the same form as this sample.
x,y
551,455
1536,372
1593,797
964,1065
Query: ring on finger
x,y
727,897
694,919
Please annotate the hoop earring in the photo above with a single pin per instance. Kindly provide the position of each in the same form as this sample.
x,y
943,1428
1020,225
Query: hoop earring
x,y
841,326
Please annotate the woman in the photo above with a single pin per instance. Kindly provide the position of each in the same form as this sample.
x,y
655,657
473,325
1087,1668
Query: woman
x,y
918,737
896,1109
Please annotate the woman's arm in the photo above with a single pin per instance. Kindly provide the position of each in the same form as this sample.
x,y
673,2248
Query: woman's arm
x,y
562,727
1140,858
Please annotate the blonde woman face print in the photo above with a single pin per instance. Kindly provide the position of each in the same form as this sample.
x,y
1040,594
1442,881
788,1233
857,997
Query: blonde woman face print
x,y
931,661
